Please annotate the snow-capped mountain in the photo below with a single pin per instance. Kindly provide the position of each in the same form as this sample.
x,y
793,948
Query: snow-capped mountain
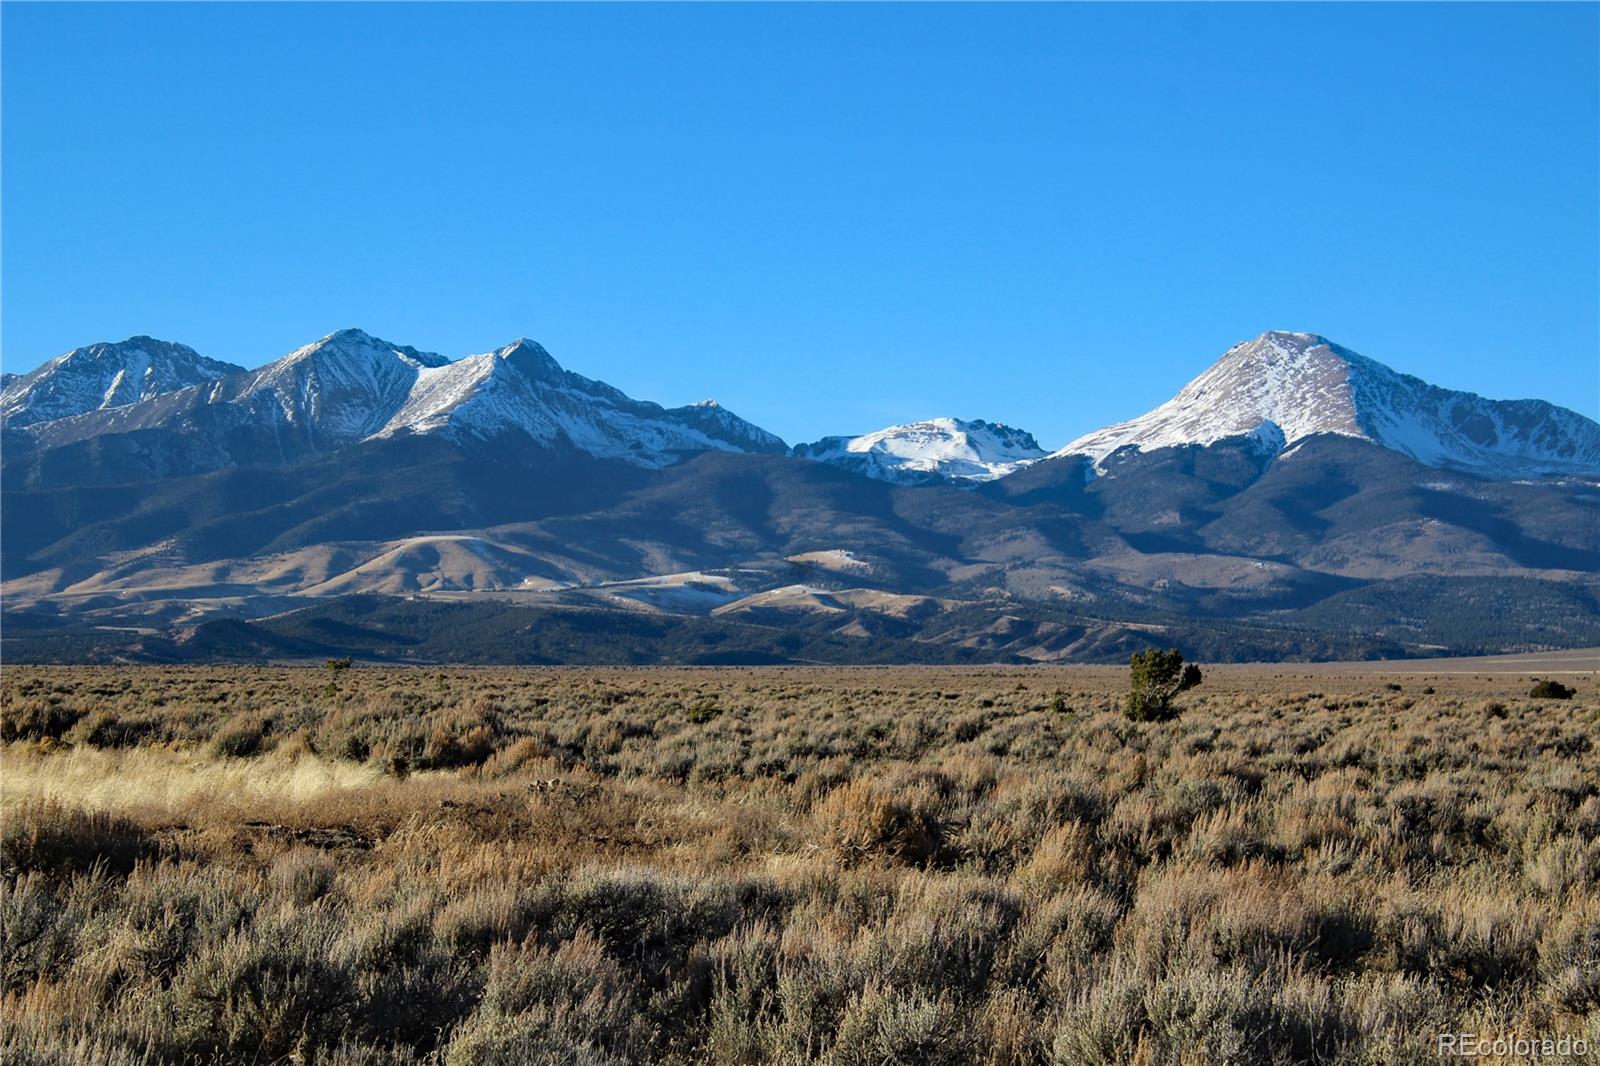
x,y
160,409
939,448
344,387
1284,387
350,386
323,396
521,389
104,375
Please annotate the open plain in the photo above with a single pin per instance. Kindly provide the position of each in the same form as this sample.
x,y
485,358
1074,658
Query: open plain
x,y
897,865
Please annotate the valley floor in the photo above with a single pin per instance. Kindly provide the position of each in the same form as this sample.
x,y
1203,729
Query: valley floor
x,y
899,865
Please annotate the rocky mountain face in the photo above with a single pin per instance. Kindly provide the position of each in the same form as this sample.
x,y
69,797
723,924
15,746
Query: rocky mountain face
x,y
101,376
1296,500
1281,388
938,449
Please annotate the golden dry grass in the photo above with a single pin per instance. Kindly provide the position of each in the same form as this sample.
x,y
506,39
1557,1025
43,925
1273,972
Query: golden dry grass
x,y
790,865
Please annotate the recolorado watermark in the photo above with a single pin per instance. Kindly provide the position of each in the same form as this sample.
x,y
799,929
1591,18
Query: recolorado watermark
x,y
1478,1046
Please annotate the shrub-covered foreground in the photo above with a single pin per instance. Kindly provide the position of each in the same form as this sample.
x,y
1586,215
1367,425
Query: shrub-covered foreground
x,y
896,866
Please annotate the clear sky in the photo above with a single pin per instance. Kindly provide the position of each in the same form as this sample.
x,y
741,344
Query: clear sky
x,y
830,218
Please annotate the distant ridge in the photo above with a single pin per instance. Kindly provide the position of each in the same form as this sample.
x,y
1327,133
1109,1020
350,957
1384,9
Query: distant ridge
x,y
938,448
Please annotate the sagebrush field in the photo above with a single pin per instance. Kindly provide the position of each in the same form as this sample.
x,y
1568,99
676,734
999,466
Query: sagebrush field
x,y
919,865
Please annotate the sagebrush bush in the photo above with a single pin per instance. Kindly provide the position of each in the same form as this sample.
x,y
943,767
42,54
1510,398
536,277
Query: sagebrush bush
x,y
241,736
55,839
864,820
37,719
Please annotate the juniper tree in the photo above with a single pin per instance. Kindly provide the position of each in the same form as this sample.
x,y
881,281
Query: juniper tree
x,y
1157,677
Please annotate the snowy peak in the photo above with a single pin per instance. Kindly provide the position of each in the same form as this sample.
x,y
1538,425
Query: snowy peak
x,y
351,351
935,449
102,376
1297,381
521,390
1283,387
530,358
340,388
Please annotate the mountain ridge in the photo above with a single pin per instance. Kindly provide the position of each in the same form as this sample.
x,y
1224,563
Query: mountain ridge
x,y
1277,389
349,386
1270,510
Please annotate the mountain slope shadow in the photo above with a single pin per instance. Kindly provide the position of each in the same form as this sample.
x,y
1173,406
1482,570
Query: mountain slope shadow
x,y
1492,522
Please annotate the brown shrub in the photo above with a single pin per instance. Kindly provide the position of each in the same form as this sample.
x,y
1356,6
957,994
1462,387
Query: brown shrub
x,y
49,838
862,820
36,719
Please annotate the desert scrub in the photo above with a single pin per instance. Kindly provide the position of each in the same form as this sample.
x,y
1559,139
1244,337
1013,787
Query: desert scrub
x,y
47,837
842,866
37,718
241,736
864,820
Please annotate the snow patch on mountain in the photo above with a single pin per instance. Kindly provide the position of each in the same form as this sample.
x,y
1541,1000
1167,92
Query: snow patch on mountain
x,y
938,448
1303,385
105,375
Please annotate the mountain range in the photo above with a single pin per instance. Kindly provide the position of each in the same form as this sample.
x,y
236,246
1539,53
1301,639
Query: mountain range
x,y
1295,499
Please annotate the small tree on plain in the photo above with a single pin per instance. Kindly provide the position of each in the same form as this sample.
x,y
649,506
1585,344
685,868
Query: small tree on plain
x,y
1157,677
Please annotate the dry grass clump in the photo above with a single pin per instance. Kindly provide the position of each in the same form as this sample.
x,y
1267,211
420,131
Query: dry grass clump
x,y
788,866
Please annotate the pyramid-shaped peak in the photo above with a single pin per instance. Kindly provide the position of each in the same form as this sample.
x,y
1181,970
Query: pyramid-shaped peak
x,y
530,357
354,339
1301,383
1299,369
1292,338
353,342
1281,345
524,344
1283,386
348,340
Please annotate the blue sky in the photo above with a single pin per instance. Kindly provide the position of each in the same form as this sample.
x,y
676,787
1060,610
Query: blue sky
x,y
828,217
